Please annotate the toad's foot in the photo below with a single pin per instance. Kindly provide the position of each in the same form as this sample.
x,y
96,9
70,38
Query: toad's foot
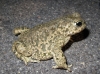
x,y
29,59
20,30
68,67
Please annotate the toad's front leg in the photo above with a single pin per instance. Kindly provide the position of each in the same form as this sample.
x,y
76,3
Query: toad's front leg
x,y
60,60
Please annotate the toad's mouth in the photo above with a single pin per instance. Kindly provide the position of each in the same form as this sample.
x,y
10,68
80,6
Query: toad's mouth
x,y
77,30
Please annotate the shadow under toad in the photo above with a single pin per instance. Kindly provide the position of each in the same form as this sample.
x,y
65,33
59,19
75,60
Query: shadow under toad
x,y
75,38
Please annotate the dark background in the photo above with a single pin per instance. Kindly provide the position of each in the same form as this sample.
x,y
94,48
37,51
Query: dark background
x,y
84,53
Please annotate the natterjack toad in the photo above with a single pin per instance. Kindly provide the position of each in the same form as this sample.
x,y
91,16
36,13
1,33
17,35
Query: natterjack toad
x,y
45,41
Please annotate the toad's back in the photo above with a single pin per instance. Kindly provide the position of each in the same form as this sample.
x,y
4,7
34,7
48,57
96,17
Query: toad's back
x,y
46,32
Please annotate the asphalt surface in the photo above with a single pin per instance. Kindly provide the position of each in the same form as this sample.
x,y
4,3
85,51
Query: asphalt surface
x,y
83,53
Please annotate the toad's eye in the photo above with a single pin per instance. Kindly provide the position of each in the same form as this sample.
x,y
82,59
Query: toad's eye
x,y
79,23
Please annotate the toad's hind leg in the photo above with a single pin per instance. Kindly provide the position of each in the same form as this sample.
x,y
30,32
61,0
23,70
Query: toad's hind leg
x,y
28,59
60,59
20,30
22,52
